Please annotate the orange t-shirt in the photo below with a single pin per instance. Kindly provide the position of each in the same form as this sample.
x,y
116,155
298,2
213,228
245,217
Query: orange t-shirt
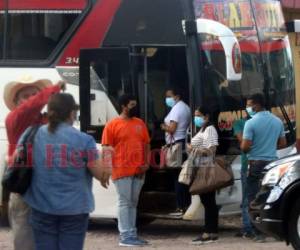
x,y
129,139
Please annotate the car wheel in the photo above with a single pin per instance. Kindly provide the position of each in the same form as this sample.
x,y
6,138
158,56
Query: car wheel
x,y
294,225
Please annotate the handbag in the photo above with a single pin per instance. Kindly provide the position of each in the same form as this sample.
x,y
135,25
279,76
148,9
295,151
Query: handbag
x,y
211,177
188,170
17,176
186,173
171,155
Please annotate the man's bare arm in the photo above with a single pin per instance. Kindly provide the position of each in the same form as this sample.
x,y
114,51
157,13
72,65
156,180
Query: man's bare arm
x,y
246,145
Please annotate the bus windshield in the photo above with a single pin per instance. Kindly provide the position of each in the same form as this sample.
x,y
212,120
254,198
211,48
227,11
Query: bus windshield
x,y
266,64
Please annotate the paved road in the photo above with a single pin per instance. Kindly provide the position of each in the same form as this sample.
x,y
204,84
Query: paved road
x,y
164,234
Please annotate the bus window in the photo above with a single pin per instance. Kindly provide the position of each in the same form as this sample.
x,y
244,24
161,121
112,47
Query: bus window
x,y
112,79
34,36
278,64
266,63
35,28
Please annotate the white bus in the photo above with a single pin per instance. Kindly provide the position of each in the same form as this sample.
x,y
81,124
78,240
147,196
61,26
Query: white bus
x,y
143,47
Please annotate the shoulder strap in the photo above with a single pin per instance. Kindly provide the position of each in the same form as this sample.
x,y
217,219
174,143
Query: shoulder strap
x,y
28,141
31,134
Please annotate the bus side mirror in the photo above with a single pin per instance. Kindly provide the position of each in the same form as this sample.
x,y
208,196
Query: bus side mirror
x,y
228,40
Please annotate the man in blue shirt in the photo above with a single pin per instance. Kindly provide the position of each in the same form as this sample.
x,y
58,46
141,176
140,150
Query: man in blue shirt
x,y
262,135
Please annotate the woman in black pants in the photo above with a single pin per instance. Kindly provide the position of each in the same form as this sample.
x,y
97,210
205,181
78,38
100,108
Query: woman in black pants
x,y
207,141
175,127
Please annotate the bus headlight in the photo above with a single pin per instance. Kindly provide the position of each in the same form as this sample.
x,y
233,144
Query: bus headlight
x,y
274,175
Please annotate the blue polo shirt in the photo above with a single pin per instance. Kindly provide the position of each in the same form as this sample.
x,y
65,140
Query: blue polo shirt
x,y
61,183
264,130
238,127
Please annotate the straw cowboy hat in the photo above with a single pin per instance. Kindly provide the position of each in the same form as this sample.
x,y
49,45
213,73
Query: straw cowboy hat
x,y
12,88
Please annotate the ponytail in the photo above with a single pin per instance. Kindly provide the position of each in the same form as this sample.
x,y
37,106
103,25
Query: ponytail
x,y
60,107
53,121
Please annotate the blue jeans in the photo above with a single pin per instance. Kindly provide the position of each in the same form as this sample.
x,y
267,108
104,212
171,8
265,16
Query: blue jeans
x,y
58,232
247,226
128,190
255,176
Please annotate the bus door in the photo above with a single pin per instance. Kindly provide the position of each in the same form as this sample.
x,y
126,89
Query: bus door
x,y
157,68
104,75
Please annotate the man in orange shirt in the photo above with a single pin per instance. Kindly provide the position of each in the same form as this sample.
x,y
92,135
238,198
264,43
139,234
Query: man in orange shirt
x,y
129,138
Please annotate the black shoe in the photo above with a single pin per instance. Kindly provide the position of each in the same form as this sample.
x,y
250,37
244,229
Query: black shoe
x,y
205,238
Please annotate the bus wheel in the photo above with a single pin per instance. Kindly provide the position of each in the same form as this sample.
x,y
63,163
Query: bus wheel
x,y
294,225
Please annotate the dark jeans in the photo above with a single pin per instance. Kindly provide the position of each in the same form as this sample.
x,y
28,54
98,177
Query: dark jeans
x,y
183,196
211,211
255,176
247,227
58,232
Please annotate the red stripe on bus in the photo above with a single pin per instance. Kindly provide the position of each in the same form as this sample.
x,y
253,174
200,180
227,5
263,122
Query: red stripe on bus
x,y
44,4
91,32
249,46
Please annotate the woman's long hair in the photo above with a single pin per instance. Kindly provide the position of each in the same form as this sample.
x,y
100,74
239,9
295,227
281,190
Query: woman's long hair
x,y
60,107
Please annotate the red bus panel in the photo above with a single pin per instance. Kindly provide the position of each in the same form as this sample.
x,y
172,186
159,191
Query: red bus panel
x,y
44,4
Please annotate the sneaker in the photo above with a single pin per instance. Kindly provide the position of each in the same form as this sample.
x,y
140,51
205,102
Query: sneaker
x,y
144,242
245,235
205,238
131,242
178,213
259,238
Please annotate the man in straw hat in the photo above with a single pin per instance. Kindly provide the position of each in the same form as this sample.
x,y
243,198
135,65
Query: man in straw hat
x,y
25,97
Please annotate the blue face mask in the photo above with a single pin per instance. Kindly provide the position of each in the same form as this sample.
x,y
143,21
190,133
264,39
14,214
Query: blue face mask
x,y
170,102
250,111
199,121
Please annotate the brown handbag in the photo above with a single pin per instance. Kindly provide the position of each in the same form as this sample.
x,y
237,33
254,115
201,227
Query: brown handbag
x,y
211,177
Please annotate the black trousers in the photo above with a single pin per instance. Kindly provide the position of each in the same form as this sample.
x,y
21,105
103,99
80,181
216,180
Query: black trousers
x,y
211,212
183,196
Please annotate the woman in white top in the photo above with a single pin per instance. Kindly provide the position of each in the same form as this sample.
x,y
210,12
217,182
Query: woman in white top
x,y
207,140
175,126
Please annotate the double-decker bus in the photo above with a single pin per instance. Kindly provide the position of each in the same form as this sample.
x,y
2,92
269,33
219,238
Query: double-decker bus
x,y
143,47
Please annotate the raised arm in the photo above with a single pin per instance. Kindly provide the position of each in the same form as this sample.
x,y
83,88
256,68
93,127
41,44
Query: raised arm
x,y
32,107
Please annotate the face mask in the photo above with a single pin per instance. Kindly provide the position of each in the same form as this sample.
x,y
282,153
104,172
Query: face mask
x,y
132,112
250,111
199,121
170,102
